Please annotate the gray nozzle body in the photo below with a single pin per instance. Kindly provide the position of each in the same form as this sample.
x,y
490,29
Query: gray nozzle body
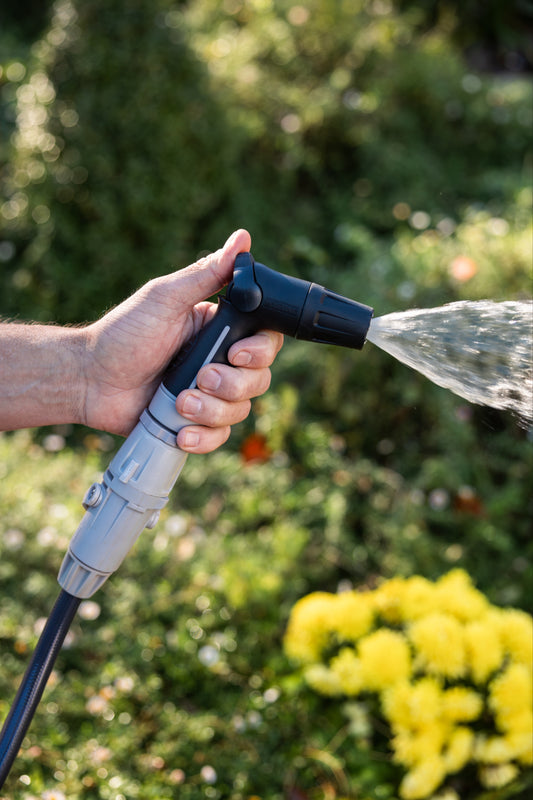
x,y
133,490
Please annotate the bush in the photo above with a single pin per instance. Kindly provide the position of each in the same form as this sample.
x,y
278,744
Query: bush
x,y
449,673
284,119
124,138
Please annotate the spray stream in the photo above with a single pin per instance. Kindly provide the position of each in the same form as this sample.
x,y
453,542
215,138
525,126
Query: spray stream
x,y
480,350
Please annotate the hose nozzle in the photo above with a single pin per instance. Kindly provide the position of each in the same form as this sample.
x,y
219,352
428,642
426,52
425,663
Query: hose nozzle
x,y
296,307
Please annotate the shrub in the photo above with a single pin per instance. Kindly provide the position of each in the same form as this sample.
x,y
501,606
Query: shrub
x,y
204,116
122,155
449,673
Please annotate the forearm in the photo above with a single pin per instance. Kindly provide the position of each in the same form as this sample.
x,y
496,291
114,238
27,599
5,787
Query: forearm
x,y
41,375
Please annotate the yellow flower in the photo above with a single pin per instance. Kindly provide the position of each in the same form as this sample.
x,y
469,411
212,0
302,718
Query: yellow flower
x,y
511,691
412,746
484,647
521,743
347,670
494,777
309,626
408,705
423,779
439,641
396,706
387,600
322,680
517,635
460,704
456,595
446,794
493,750
353,615
458,749
417,598
385,658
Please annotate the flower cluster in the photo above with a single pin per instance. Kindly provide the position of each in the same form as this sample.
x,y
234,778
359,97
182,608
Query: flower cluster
x,y
451,672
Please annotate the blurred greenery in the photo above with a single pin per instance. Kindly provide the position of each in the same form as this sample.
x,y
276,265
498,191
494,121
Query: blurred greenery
x,y
380,148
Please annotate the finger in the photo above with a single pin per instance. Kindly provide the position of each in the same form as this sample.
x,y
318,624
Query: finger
x,y
233,383
256,351
208,275
202,440
212,412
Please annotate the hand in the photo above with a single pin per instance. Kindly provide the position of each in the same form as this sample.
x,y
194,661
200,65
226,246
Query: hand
x,y
127,350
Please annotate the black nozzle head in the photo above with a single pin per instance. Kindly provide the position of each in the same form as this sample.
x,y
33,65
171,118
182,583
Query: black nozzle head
x,y
330,318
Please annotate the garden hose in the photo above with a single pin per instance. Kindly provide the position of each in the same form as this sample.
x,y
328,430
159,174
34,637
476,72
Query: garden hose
x,y
35,679
138,481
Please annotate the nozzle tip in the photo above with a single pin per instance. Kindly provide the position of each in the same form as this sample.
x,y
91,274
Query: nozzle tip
x,y
330,318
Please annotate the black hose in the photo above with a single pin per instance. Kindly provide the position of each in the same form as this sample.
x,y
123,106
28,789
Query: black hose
x,y
32,687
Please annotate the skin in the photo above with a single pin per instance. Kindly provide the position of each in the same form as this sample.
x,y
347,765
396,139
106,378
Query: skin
x,y
103,375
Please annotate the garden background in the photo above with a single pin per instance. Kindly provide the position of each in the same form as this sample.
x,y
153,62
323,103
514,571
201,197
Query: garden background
x,y
381,148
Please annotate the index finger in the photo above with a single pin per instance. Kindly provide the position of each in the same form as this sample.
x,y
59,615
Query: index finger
x,y
256,351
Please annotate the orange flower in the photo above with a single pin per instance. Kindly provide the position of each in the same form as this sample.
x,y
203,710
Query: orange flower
x,y
463,268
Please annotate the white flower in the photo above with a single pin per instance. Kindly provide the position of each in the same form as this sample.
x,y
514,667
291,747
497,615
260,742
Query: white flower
x,y
208,774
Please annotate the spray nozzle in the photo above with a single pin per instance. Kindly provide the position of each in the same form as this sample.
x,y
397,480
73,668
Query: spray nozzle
x,y
296,307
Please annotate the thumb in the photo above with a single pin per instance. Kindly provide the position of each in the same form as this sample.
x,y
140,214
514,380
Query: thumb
x,y
208,275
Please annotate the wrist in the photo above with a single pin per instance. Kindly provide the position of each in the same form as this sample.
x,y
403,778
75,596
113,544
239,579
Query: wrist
x,y
77,361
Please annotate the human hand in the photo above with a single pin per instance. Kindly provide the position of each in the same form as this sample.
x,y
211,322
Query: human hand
x,y
127,350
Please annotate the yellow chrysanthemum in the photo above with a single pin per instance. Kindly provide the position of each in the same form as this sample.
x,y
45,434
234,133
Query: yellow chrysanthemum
x,y
422,780
521,743
493,750
408,705
495,777
322,680
516,721
439,642
387,600
412,746
396,705
450,632
458,749
455,594
346,667
511,691
460,704
417,598
309,626
446,794
385,658
484,648
517,635
353,615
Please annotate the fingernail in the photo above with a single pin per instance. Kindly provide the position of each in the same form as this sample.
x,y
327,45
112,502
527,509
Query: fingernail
x,y
211,380
192,405
242,359
189,439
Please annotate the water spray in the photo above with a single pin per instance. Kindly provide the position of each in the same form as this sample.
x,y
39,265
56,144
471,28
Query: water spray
x,y
138,481
481,350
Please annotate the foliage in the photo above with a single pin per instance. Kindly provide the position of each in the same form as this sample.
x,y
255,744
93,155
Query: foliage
x,y
450,673
98,127
328,112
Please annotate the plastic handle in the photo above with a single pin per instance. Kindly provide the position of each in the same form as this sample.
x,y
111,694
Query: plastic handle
x,y
211,344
